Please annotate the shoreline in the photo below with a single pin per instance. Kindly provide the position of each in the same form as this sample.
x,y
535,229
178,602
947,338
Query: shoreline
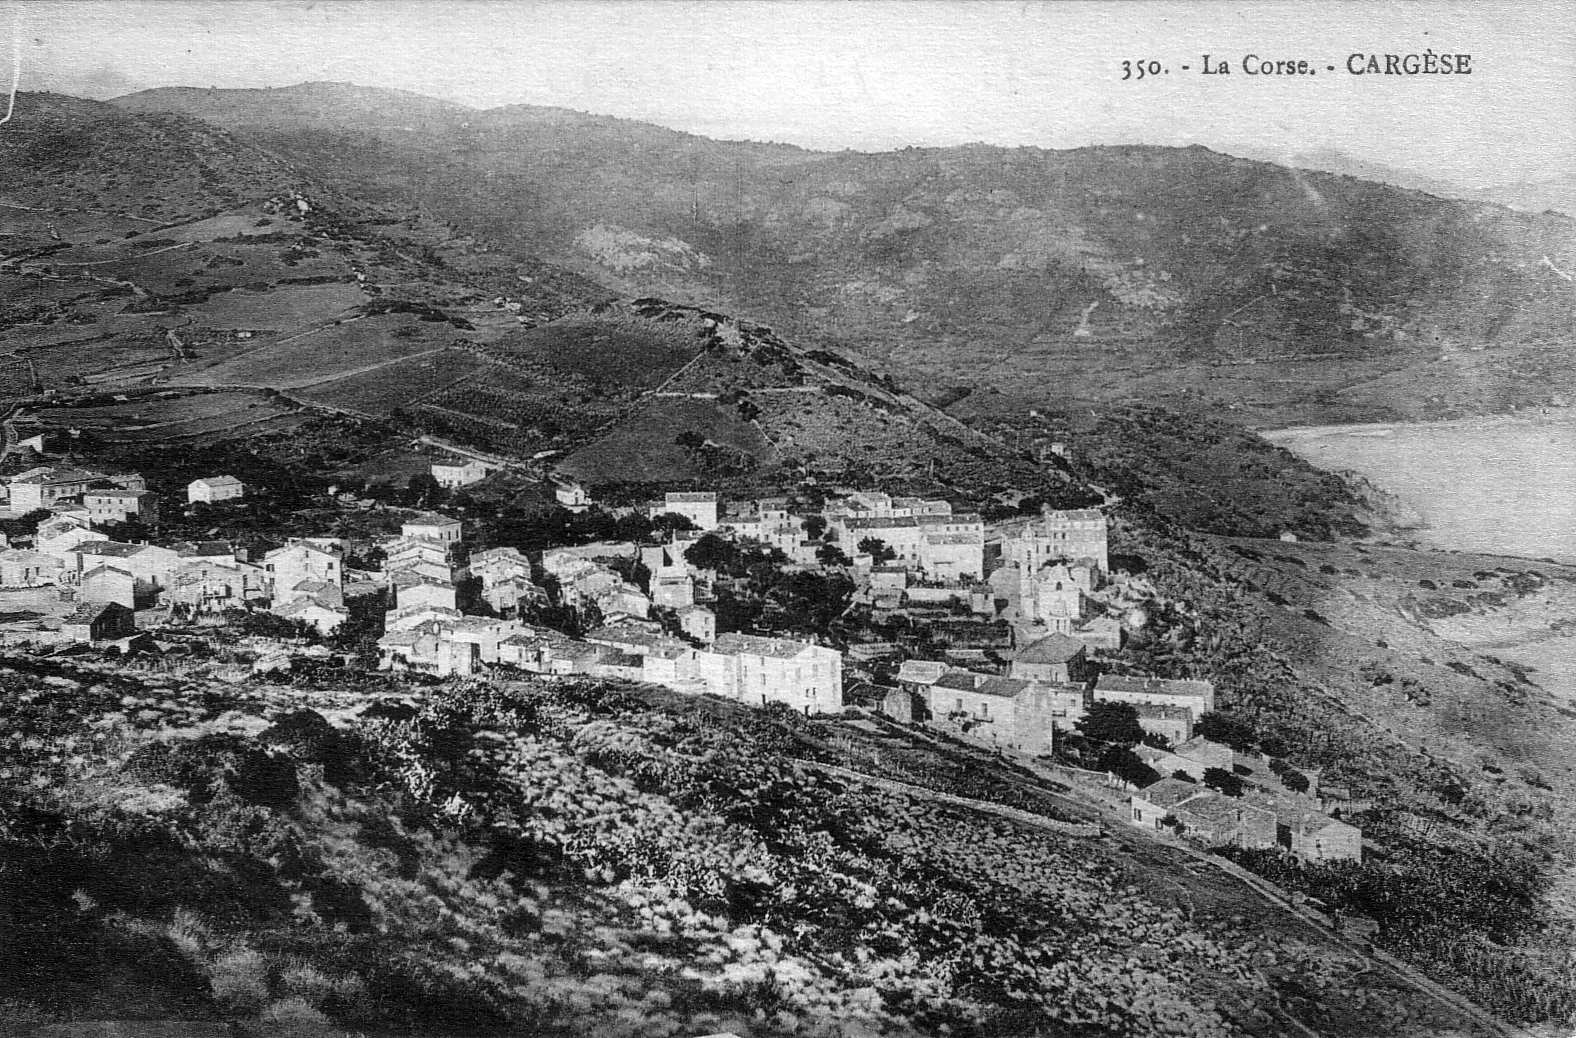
x,y
1551,416
1493,484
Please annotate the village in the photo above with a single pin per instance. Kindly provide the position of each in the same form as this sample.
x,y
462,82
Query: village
x,y
999,634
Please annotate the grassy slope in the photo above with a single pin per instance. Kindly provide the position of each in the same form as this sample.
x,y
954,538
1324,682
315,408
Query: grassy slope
x,y
581,858
1461,756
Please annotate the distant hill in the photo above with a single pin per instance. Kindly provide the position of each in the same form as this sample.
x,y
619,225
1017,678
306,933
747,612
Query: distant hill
x,y
1178,276
155,251
1532,196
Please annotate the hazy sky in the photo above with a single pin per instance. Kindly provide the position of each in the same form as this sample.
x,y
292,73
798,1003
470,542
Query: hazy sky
x,y
885,74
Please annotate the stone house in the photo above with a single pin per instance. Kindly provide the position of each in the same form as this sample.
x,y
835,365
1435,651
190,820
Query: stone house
x,y
513,595
1217,820
99,622
430,526
896,703
1198,697
117,505
48,485
59,534
211,585
572,496
1173,723
106,583
150,564
758,671
416,596
1155,802
699,508
213,489
1013,713
316,612
21,568
428,652
450,475
301,562
1056,657
699,623
1073,536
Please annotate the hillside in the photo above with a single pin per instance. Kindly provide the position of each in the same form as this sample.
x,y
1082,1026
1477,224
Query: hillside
x,y
251,298
566,858
1177,276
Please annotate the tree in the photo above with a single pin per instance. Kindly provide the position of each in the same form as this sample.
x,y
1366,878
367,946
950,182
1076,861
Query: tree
x,y
710,552
1126,765
669,522
1223,780
422,489
831,555
1115,723
1295,780
1227,729
814,526
878,550
1156,740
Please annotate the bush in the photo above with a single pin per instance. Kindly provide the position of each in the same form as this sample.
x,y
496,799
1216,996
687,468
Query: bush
x,y
1224,781
240,982
202,766
293,1016
306,983
1115,723
1226,729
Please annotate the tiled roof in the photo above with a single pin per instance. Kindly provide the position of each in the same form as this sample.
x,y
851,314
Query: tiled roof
x,y
46,476
1053,648
962,680
109,549
87,612
921,671
696,497
1169,792
1007,688
1153,686
430,519
749,644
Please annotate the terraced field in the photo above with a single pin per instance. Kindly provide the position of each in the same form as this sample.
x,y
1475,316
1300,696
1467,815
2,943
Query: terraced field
x,y
404,383
335,351
155,419
278,309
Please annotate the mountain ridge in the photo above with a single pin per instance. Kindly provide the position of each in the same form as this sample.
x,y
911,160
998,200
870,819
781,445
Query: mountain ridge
x,y
1182,275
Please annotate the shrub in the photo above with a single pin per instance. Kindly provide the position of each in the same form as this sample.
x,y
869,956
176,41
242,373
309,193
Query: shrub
x,y
306,983
240,982
293,1016
202,765
1227,729
1223,780
1115,723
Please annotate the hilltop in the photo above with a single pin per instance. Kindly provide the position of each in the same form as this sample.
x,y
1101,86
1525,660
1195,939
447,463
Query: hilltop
x,y
1176,276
